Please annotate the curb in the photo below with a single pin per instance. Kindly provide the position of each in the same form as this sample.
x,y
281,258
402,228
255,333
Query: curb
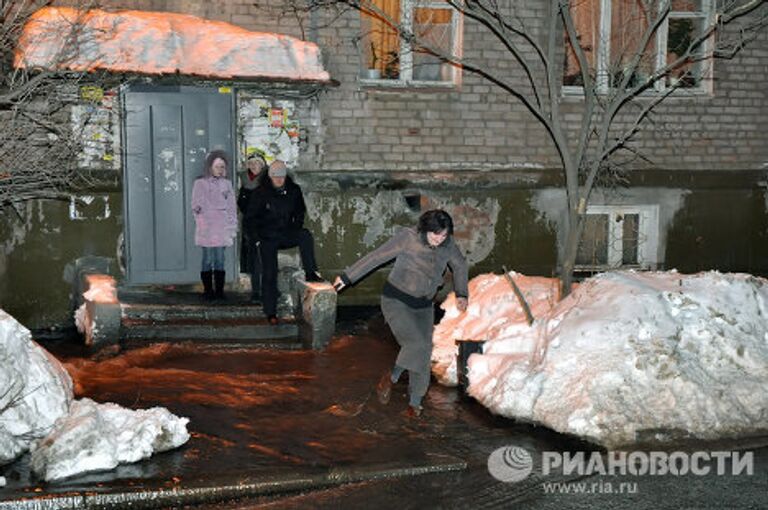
x,y
249,487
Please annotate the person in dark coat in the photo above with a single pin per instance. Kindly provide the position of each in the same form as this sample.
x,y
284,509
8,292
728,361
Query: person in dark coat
x,y
250,259
276,214
421,257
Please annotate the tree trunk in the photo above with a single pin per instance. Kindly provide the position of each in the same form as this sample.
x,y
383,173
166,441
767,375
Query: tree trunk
x,y
570,250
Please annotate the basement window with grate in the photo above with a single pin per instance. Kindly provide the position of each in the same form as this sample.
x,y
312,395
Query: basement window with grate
x,y
619,237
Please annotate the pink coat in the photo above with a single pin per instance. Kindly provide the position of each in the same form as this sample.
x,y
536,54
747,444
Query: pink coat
x,y
213,204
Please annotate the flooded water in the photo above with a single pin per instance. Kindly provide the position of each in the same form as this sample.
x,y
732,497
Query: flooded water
x,y
259,411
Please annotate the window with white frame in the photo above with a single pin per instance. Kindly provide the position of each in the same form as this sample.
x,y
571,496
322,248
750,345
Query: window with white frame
x,y
609,31
619,236
386,58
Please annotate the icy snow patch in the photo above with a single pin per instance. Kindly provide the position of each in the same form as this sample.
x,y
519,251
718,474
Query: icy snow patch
x,y
66,436
96,437
628,357
35,390
494,312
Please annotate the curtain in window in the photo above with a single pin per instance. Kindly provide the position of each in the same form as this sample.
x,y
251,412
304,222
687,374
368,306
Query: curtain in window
x,y
381,40
586,19
628,24
433,30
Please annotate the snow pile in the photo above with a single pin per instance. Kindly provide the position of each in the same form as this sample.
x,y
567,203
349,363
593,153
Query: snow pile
x,y
35,390
494,312
633,358
97,437
66,436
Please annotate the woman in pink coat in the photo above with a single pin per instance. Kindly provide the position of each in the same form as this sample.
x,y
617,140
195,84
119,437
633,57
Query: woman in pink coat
x,y
213,205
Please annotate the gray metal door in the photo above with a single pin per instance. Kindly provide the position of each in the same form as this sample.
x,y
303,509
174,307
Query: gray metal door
x,y
168,132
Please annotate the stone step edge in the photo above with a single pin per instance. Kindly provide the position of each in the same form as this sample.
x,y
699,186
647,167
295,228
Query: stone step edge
x,y
195,331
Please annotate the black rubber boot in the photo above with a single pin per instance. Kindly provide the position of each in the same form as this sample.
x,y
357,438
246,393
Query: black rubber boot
x,y
207,279
218,277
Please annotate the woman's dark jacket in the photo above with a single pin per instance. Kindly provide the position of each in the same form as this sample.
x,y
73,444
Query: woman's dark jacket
x,y
248,188
271,211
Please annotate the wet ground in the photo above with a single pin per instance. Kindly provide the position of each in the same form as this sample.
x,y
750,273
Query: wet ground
x,y
270,415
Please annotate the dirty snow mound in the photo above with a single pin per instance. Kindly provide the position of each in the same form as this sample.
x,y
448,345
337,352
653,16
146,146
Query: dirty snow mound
x,y
635,357
494,312
66,436
97,437
35,390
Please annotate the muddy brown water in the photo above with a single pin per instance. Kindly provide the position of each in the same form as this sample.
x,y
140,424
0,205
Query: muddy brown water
x,y
260,411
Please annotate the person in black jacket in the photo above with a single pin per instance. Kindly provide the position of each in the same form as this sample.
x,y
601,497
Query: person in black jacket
x,y
250,260
276,213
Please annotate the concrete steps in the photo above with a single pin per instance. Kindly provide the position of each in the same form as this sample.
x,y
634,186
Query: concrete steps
x,y
246,332
183,316
109,315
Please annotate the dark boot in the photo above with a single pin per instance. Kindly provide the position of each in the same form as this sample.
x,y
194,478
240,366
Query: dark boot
x,y
256,287
218,277
207,279
313,276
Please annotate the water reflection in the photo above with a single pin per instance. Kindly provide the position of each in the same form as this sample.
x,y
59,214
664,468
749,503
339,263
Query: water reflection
x,y
261,411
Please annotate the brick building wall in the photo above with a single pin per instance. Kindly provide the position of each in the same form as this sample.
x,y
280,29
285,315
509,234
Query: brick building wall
x,y
707,157
476,125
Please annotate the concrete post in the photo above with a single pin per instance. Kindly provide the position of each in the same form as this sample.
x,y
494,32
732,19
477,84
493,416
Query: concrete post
x,y
100,317
315,313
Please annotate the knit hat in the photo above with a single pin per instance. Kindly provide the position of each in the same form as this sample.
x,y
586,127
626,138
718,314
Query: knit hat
x,y
278,169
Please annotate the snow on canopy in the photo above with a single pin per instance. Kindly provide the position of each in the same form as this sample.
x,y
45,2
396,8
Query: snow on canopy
x,y
162,43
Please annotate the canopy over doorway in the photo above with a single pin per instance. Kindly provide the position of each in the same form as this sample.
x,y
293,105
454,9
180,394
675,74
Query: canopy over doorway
x,y
157,43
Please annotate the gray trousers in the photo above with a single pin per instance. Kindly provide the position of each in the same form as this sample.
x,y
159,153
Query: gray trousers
x,y
412,328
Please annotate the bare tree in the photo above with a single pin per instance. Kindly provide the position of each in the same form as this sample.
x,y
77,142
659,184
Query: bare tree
x,y
38,145
622,79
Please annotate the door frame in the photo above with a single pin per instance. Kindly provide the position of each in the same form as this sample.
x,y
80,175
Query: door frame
x,y
233,262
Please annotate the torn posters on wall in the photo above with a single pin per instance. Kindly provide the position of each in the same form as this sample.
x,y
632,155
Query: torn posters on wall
x,y
96,125
268,127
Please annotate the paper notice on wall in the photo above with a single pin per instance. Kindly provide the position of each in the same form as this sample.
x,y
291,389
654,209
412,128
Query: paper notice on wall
x,y
276,117
96,124
269,127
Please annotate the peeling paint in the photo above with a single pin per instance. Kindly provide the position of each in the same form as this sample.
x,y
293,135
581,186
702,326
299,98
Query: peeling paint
x,y
169,170
381,213
20,227
429,166
474,224
765,198
82,208
325,210
376,214
18,231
